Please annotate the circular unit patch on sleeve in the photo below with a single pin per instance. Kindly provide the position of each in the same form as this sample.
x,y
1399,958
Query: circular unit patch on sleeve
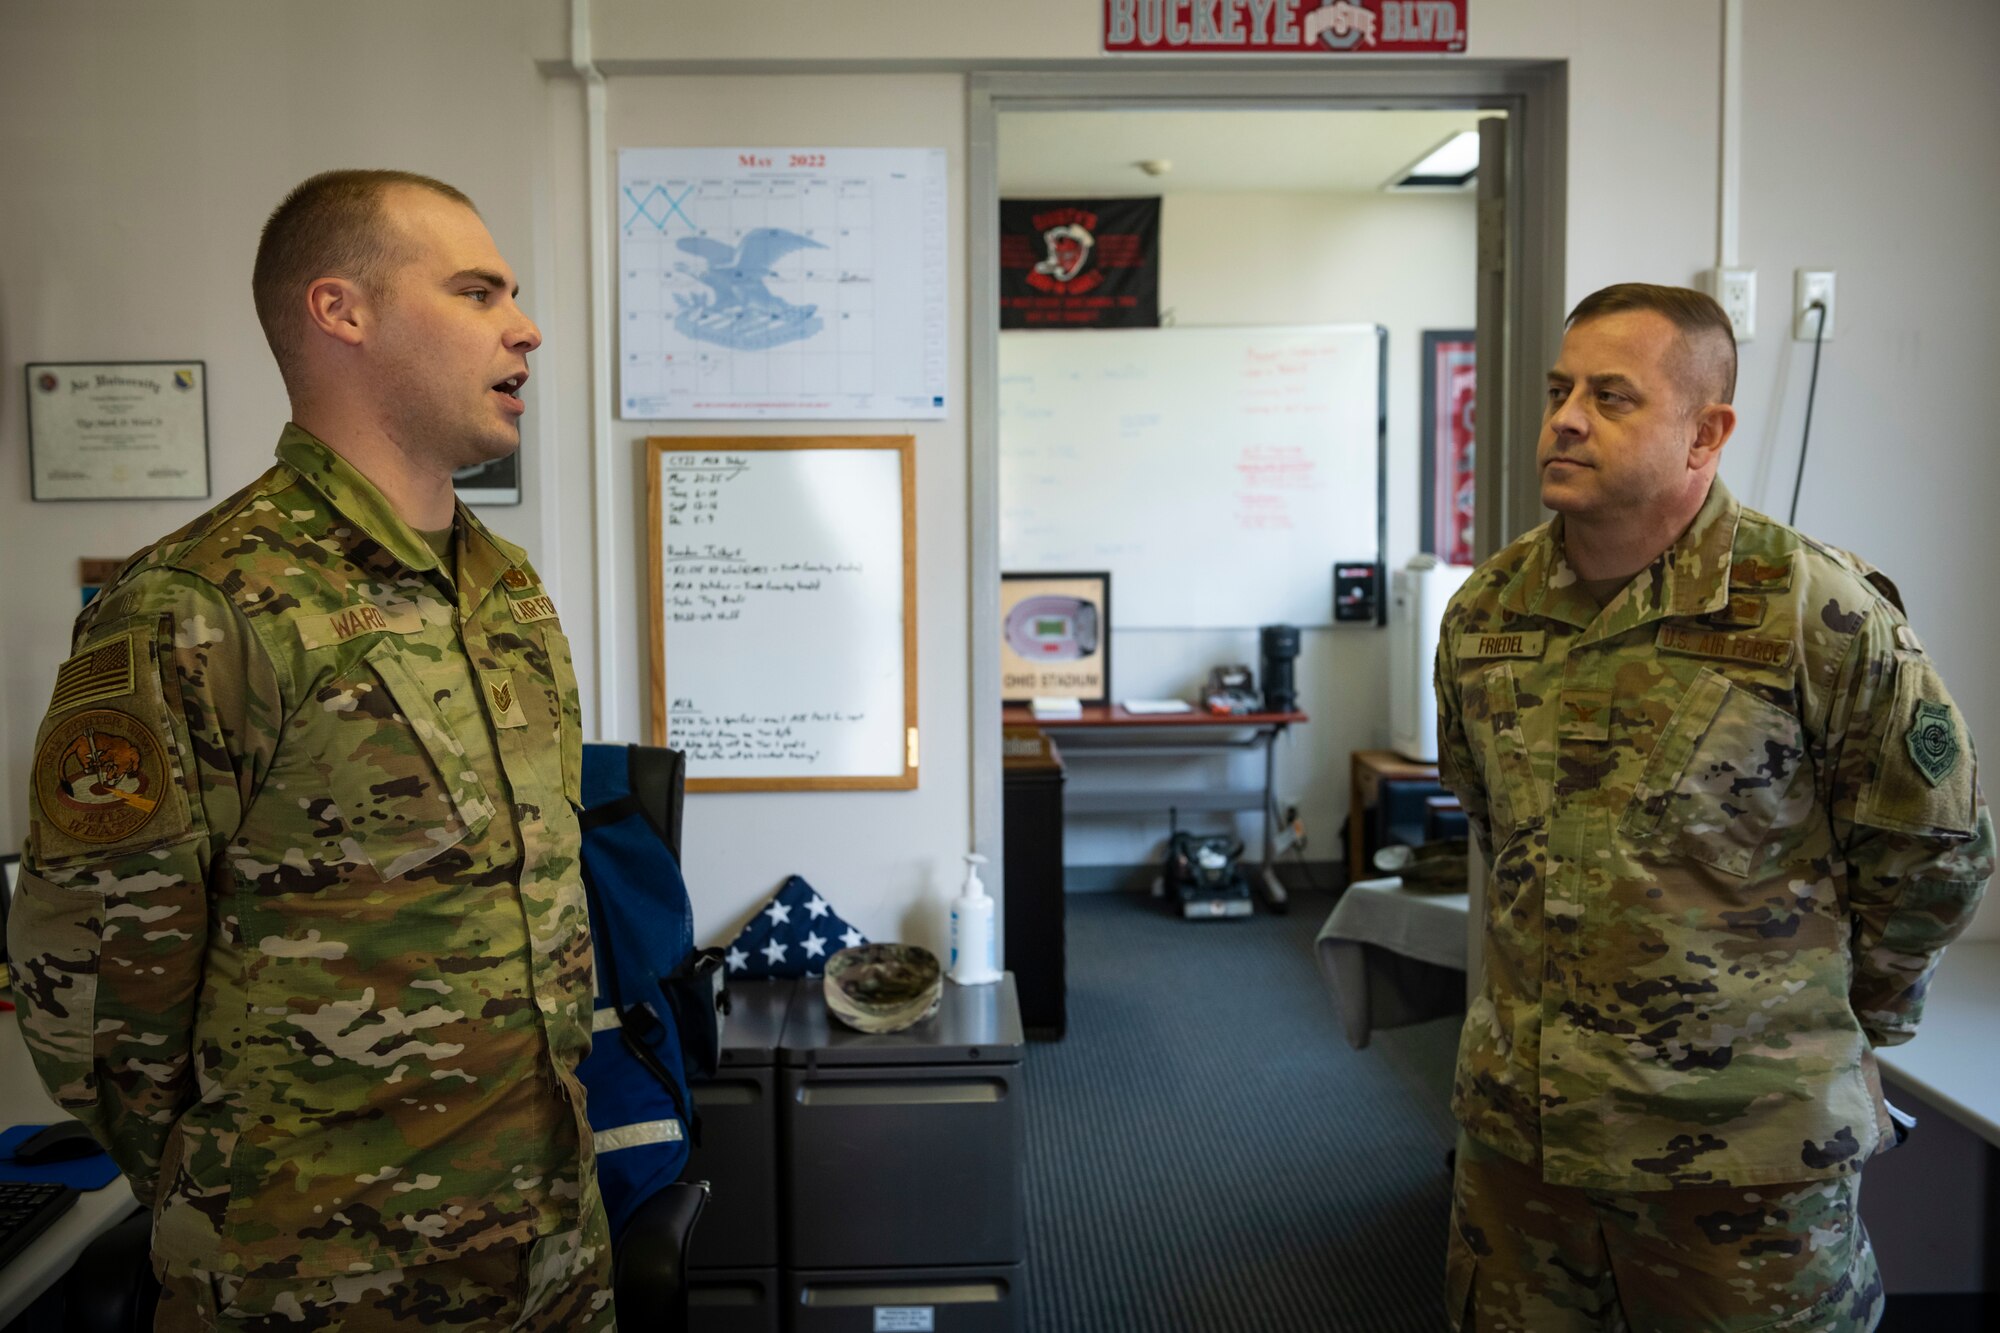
x,y
100,776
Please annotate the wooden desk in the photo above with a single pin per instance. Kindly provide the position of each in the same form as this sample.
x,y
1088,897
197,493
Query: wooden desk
x,y
1107,731
49,1255
1366,769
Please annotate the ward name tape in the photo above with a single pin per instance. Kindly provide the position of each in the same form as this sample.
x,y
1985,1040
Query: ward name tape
x,y
339,626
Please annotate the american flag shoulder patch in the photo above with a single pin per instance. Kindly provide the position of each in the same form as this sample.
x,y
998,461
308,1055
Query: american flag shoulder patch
x,y
101,671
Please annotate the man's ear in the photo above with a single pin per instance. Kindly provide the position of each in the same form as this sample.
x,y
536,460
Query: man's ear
x,y
338,308
1713,425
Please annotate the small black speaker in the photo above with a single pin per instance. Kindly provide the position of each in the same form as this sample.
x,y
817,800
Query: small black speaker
x,y
1280,645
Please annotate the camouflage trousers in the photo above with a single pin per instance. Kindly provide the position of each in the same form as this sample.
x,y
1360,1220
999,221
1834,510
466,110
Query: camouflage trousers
x,y
1529,1257
558,1284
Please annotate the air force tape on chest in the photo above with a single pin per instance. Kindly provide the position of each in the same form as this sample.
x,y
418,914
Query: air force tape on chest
x,y
1752,648
527,610
1500,643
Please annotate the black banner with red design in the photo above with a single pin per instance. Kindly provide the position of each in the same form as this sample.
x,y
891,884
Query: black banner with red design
x,y
1079,263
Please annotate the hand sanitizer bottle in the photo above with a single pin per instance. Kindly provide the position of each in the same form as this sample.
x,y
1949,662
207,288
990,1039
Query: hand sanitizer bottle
x,y
974,952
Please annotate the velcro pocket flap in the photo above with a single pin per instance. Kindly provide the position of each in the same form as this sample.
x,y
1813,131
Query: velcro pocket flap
x,y
400,778
1922,778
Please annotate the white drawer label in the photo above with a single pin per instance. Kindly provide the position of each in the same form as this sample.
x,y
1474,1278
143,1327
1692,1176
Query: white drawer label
x,y
905,1319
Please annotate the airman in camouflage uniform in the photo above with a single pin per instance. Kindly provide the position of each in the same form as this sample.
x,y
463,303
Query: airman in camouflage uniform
x,y
301,934
1732,821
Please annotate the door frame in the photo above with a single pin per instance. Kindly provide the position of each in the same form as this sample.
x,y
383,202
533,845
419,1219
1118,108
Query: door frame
x,y
1535,97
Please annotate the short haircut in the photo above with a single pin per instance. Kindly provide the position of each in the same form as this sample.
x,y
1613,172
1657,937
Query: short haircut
x,y
1707,340
330,225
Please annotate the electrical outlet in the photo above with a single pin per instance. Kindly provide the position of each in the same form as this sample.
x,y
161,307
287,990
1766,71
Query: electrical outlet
x,y
1809,285
1735,290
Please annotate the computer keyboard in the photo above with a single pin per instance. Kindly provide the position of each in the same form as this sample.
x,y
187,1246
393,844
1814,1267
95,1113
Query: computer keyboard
x,y
26,1210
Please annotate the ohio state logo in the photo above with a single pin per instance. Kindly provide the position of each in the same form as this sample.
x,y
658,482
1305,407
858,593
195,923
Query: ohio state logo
x,y
1340,26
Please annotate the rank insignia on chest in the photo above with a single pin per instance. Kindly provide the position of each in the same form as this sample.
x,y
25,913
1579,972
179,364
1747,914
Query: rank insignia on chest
x,y
1502,643
1933,741
527,610
1585,715
502,699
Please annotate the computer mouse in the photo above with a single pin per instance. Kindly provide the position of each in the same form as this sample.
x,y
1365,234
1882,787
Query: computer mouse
x,y
64,1141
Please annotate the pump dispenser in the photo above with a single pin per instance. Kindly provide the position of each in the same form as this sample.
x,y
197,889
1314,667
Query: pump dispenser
x,y
974,954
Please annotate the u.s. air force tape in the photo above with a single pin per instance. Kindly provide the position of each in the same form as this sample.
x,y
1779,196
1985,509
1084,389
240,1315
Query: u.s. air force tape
x,y
527,610
1710,643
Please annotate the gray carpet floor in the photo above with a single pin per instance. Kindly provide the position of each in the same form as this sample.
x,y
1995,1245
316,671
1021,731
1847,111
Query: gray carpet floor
x,y
1206,1153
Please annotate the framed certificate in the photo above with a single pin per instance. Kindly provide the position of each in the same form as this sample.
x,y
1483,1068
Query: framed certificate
x,y
119,430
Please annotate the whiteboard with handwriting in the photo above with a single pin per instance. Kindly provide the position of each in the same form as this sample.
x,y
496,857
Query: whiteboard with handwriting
x,y
1218,474
784,610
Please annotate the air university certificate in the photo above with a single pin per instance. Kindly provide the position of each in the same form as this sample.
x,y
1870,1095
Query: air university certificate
x,y
119,431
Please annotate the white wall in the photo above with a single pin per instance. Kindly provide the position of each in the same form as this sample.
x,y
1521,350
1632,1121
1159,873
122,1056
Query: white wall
x,y
886,860
142,144
142,147
1404,262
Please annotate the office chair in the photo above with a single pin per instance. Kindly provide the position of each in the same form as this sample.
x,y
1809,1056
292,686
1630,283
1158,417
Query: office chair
x,y
652,1254
111,1288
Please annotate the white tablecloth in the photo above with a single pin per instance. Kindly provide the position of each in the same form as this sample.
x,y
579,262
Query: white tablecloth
x,y
1392,957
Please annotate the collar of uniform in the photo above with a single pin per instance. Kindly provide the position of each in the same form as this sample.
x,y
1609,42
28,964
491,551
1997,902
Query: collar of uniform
x,y
343,486
1545,585
1698,573
1690,579
481,559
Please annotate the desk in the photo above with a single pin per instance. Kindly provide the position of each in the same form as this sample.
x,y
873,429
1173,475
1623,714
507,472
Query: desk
x,y
1365,771
1107,731
40,1266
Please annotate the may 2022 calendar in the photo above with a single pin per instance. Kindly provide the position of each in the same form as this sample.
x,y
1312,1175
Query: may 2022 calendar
x,y
781,283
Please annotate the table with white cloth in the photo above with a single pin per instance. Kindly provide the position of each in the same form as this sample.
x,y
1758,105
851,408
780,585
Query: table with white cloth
x,y
1392,956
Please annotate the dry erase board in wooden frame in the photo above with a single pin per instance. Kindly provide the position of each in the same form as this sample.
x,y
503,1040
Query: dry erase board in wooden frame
x,y
784,609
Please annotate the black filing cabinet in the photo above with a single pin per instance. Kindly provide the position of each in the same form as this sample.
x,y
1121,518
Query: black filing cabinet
x,y
901,1198
733,1257
1031,796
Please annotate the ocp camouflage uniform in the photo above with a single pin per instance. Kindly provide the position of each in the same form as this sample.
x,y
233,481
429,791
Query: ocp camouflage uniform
x,y
1733,820
300,933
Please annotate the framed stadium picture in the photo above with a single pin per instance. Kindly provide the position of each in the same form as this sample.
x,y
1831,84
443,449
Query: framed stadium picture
x,y
1055,637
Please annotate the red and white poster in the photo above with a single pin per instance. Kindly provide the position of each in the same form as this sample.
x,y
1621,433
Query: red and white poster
x,y
1451,384
1286,27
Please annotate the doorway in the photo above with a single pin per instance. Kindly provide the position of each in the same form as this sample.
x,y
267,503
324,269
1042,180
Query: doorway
x,y
1518,261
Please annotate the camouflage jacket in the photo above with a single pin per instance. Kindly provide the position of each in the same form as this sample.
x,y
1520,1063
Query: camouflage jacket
x,y
300,933
1732,821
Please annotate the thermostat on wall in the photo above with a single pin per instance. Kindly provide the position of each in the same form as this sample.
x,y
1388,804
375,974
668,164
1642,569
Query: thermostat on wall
x,y
1357,592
